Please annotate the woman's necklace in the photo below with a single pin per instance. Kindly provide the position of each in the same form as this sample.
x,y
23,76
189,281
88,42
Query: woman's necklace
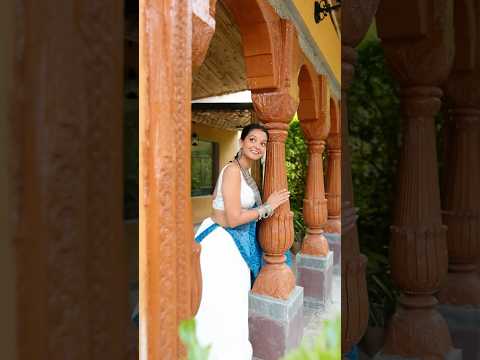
x,y
251,183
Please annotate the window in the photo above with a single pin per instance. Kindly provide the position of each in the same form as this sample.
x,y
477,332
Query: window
x,y
204,167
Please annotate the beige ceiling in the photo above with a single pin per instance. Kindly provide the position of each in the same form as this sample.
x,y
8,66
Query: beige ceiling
x,y
223,70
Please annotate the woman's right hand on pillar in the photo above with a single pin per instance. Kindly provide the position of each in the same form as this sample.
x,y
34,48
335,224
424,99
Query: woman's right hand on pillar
x,y
278,198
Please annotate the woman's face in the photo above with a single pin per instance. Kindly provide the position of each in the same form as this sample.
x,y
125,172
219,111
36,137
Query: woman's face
x,y
254,145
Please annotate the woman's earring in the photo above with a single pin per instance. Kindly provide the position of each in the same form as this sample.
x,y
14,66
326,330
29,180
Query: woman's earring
x,y
240,153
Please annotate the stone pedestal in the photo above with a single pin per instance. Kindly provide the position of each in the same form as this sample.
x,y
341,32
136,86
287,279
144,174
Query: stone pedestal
x,y
335,244
276,326
454,354
315,275
464,325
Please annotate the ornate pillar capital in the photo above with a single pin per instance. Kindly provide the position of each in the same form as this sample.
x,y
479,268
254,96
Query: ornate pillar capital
x,y
277,132
316,146
421,101
275,107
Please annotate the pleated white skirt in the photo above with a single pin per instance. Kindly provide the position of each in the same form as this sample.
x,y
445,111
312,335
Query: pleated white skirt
x,y
222,319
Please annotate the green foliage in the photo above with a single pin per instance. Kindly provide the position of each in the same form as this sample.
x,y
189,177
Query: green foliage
x,y
375,135
325,347
296,158
188,336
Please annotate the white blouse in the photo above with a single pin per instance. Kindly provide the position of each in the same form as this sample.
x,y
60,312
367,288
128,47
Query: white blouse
x,y
247,197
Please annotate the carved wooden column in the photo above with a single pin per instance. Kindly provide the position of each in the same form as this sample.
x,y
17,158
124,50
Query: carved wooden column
x,y
461,207
460,296
334,172
64,148
356,21
315,260
315,210
315,205
420,54
462,163
276,279
170,278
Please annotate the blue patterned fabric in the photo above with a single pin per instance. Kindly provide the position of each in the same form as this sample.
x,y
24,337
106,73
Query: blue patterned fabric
x,y
353,354
246,240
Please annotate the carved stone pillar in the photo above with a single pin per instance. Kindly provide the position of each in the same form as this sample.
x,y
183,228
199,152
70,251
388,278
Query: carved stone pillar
x,y
354,287
168,260
461,207
276,235
420,54
315,205
460,296
61,128
418,252
462,163
334,173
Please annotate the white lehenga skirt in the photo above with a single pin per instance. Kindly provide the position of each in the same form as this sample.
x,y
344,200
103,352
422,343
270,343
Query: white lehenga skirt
x,y
222,319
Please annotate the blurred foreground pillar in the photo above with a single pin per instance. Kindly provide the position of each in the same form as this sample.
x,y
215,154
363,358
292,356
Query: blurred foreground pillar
x,y
418,46
460,296
356,19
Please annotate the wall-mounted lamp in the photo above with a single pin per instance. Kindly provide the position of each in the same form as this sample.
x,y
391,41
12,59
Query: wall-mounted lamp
x,y
323,8
195,139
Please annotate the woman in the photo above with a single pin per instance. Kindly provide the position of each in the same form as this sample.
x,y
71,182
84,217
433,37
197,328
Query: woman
x,y
230,251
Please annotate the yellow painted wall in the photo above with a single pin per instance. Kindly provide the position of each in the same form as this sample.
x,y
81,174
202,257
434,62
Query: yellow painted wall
x,y
228,147
324,35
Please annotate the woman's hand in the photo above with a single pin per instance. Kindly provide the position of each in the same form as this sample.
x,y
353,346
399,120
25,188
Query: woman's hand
x,y
278,198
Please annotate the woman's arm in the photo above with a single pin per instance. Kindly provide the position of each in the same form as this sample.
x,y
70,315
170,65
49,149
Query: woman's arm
x,y
234,214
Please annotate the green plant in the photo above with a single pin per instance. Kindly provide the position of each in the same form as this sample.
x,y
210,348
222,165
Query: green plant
x,y
326,346
187,332
296,160
375,137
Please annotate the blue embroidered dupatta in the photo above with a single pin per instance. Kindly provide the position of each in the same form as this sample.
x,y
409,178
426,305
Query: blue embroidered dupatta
x,y
245,237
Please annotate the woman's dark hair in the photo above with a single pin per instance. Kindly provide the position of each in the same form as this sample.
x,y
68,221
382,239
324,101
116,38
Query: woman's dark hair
x,y
247,129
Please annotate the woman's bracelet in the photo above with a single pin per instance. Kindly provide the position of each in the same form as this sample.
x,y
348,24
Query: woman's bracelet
x,y
264,211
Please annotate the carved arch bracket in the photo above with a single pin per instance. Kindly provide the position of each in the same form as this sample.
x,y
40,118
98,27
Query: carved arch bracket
x,y
203,28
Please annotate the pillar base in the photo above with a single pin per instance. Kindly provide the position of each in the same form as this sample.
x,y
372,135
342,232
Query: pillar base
x,y
335,244
276,326
315,275
454,354
463,323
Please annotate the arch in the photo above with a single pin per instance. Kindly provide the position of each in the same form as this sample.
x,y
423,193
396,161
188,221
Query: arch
x,y
314,105
260,29
308,106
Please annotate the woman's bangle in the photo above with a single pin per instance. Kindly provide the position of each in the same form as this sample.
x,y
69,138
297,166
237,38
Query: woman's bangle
x,y
261,212
264,211
269,209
